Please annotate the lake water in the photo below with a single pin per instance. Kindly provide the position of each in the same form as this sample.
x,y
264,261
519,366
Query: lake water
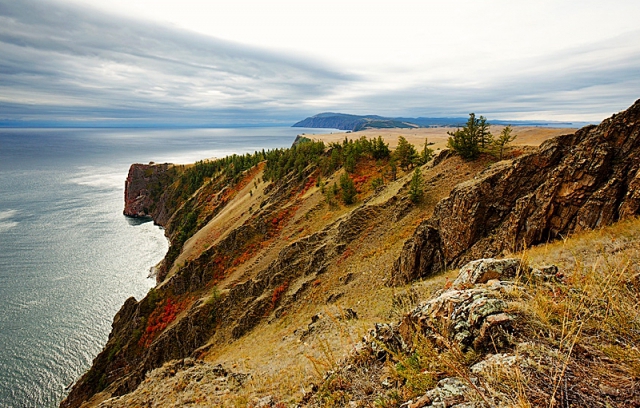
x,y
68,257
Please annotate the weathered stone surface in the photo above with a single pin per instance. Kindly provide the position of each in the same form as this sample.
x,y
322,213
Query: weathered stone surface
x,y
421,256
450,393
210,384
572,183
483,270
471,317
138,200
494,361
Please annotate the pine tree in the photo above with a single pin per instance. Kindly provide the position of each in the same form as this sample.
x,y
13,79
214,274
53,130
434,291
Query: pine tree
x,y
350,163
348,189
393,171
415,187
426,153
466,141
485,137
504,139
380,149
405,153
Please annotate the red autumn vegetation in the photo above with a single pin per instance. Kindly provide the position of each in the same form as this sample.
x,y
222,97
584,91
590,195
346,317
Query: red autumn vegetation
x,y
277,294
160,318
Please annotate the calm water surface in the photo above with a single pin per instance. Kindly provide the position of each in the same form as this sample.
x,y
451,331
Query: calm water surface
x,y
68,257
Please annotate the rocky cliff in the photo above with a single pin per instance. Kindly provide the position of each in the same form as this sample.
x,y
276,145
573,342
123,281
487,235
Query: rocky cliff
x,y
572,183
258,251
143,188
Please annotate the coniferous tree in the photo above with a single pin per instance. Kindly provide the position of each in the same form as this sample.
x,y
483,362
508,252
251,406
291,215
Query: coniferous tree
x,y
380,149
503,140
393,171
426,153
405,154
415,187
350,163
466,141
485,138
348,189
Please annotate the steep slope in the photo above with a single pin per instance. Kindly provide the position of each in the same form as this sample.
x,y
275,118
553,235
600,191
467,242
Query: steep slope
x,y
270,274
572,183
555,327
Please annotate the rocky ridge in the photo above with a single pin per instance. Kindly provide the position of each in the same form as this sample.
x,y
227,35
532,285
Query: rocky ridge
x,y
272,259
572,183
470,347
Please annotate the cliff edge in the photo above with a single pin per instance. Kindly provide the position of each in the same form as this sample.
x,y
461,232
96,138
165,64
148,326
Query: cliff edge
x,y
142,190
279,260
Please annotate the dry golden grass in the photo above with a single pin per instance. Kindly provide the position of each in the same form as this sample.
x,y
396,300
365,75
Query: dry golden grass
x,y
576,338
583,328
526,135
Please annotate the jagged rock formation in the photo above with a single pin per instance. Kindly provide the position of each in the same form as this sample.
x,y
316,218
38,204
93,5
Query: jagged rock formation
x,y
142,189
246,252
475,318
201,383
572,183
505,364
472,312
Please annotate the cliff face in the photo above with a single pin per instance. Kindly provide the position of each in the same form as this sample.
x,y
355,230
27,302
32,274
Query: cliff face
x,y
572,183
253,259
142,190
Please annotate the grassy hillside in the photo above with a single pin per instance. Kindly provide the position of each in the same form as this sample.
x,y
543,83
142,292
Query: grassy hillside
x,y
280,286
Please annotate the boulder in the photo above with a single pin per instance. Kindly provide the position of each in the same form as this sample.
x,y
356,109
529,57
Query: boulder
x,y
483,270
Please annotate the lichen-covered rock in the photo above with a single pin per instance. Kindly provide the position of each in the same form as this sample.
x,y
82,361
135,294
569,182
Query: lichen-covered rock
x,y
483,270
471,317
571,183
450,393
196,380
494,361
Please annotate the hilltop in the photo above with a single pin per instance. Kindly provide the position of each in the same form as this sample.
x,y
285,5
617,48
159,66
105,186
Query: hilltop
x,y
309,276
357,123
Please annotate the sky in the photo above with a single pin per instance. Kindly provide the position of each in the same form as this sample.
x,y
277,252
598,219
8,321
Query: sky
x,y
259,62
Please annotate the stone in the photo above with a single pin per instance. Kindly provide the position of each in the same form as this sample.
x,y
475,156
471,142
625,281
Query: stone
x,y
472,317
264,402
501,360
138,199
484,270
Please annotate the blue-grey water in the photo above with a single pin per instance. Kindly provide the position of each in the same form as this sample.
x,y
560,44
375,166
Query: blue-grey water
x,y
68,257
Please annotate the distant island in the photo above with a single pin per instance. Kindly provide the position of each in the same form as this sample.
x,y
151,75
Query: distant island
x,y
355,123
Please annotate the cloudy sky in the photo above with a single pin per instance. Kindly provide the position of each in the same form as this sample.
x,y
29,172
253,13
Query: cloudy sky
x,y
197,62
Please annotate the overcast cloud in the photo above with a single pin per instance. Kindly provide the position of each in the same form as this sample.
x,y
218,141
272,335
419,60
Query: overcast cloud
x,y
63,63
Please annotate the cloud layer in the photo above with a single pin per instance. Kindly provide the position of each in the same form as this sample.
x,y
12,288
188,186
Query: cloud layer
x,y
68,63
64,64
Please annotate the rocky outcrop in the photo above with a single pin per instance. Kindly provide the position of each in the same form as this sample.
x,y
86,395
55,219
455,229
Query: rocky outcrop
x,y
208,384
572,183
474,317
472,312
142,190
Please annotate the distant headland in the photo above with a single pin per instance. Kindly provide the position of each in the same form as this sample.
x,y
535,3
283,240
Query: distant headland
x,y
356,123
